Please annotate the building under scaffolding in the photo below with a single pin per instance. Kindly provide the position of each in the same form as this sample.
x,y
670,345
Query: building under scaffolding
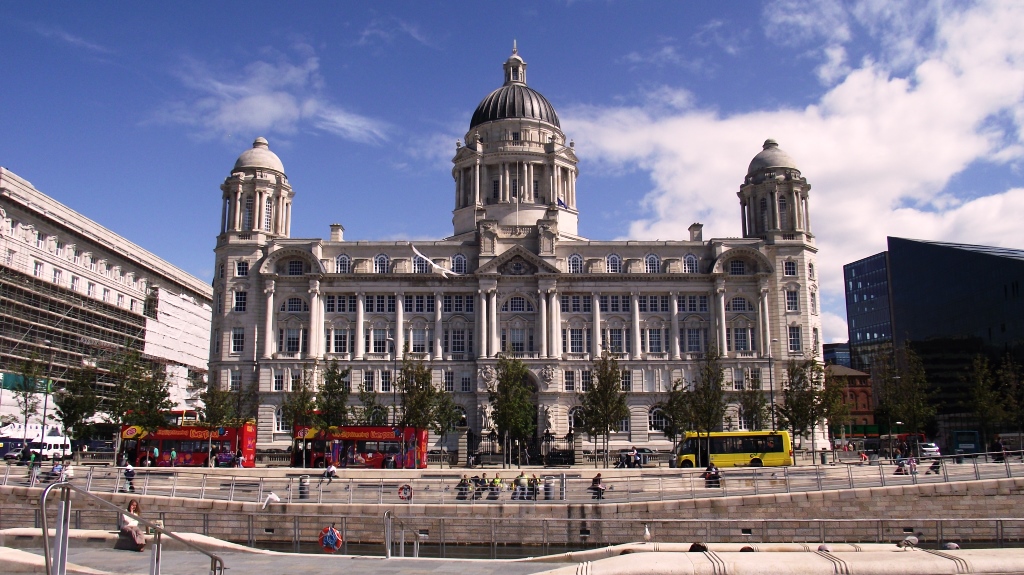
x,y
74,294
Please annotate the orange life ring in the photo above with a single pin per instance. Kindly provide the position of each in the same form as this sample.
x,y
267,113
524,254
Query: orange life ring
x,y
330,539
405,492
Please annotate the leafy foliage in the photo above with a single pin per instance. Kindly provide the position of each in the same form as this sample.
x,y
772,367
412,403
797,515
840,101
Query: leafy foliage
x,y
832,400
707,398
332,400
985,401
904,393
753,407
372,411
511,399
140,396
604,404
1011,386
26,392
218,410
800,410
446,415
419,396
299,403
77,402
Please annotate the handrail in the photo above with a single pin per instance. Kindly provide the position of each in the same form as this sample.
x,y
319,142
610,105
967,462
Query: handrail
x,y
216,563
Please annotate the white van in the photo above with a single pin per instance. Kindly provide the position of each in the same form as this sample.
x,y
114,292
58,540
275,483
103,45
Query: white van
x,y
54,447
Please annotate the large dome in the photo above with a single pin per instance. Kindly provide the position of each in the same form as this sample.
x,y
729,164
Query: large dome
x,y
770,157
515,99
259,156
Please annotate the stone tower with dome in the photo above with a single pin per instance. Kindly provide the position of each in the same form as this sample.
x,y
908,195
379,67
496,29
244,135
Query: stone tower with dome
x,y
514,277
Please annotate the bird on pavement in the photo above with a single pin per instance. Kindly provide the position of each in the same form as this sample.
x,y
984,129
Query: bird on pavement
x,y
909,542
950,546
647,534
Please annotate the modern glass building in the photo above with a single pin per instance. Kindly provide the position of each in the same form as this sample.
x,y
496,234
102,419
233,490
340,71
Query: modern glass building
x,y
868,313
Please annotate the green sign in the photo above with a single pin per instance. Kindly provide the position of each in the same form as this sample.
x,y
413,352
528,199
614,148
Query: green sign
x,y
14,382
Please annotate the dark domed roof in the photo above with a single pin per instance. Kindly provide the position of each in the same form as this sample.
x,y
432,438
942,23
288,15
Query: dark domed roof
x,y
514,100
770,157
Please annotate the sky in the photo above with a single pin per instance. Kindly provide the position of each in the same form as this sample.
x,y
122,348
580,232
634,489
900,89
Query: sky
x,y
906,118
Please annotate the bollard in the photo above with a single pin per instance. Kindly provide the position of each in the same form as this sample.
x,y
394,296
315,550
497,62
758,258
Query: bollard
x,y
959,457
823,456
304,487
549,488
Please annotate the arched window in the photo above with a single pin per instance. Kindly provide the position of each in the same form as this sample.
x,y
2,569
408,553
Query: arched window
x,y
653,264
783,216
614,264
576,418
810,271
575,264
459,264
420,265
294,304
342,264
656,420
281,423
690,264
517,304
381,264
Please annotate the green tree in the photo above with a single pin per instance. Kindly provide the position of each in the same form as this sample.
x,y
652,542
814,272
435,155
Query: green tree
x,y
299,405
419,396
604,404
800,410
332,400
510,395
707,396
218,410
984,400
912,400
76,402
677,411
371,411
127,373
26,391
832,402
753,407
1011,386
446,416
152,400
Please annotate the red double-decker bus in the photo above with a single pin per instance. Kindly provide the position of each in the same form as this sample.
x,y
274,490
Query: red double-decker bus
x,y
190,444
360,446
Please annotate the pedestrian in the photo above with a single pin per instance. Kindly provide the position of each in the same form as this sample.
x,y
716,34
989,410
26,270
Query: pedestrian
x,y
174,457
912,464
156,455
329,474
463,488
497,484
129,476
131,536
712,476
635,457
534,486
521,484
597,487
935,467
482,484
997,450
239,458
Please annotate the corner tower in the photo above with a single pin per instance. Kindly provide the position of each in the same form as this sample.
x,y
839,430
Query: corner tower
x,y
773,198
515,169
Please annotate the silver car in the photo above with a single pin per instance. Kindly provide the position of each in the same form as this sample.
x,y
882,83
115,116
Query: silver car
x,y
929,451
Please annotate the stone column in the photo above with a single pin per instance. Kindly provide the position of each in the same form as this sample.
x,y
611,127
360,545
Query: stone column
x,y
674,339
720,312
399,331
596,351
437,327
316,324
481,320
743,217
543,327
774,198
807,216
555,350
764,320
494,344
476,183
360,327
268,335
635,307
237,220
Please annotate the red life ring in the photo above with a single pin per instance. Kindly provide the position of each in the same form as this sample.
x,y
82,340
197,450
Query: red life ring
x,y
405,492
330,539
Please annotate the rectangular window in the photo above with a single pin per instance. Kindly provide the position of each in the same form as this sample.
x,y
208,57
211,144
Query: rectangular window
x,y
814,302
737,379
467,384
216,341
106,295
381,304
278,382
291,340
458,337
368,381
518,337
792,301
268,214
641,304
693,340
469,304
570,381
665,302
90,290
385,381
575,340
236,380
449,381
494,189
790,268
368,304
586,378
296,382
120,300
613,304
329,304
380,341
457,308
754,378
241,268
430,303
57,276
626,380
565,304
237,339
353,303
37,270
794,339
40,240
615,341
740,339
446,303
420,304
654,340
74,283
419,341
240,297
703,304
391,304
737,268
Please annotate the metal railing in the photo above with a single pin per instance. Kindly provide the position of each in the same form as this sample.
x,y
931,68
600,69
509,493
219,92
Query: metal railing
x,y
57,563
572,484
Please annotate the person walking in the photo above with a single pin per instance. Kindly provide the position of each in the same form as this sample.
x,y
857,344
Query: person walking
x,y
129,477
174,457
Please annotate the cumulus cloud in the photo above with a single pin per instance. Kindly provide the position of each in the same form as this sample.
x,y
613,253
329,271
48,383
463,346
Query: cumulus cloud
x,y
267,96
879,147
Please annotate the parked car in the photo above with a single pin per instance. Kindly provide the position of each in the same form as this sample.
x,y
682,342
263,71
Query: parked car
x,y
929,451
560,457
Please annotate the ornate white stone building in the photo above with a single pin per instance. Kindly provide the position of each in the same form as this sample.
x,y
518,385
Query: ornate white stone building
x,y
521,279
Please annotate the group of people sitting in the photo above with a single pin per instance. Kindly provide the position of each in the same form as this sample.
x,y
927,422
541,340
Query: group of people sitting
x,y
479,487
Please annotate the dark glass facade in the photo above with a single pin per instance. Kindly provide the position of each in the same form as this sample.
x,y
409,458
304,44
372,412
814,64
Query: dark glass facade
x,y
836,354
868,313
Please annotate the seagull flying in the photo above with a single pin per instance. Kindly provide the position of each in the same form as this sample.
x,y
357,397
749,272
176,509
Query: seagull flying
x,y
440,270
272,498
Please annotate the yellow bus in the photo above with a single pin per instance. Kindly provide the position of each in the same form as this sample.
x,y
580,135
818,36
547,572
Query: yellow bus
x,y
735,449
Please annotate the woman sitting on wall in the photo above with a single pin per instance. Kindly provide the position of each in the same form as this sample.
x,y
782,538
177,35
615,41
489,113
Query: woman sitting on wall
x,y
131,537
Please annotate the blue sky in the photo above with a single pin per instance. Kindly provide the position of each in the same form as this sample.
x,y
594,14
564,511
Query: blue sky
x,y
906,120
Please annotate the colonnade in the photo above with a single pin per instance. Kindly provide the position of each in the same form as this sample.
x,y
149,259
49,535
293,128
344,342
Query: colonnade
x,y
474,183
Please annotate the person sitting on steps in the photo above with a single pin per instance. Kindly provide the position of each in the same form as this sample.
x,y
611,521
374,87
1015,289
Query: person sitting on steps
x,y
329,474
130,536
597,487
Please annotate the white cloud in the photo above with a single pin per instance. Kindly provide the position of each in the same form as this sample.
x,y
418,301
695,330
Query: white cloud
x,y
833,328
267,96
386,30
879,147
57,33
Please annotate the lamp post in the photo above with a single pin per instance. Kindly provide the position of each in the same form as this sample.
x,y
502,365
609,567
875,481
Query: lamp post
x,y
46,396
394,382
771,380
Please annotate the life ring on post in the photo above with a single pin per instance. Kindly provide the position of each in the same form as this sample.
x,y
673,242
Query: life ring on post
x,y
405,492
330,539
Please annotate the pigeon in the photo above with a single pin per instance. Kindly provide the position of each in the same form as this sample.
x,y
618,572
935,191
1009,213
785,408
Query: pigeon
x,y
824,548
909,542
951,546
272,498
647,534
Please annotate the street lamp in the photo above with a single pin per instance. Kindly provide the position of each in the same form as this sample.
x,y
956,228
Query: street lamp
x,y
394,382
771,380
46,396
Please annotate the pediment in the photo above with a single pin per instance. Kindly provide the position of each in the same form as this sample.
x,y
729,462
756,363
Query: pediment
x,y
518,261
